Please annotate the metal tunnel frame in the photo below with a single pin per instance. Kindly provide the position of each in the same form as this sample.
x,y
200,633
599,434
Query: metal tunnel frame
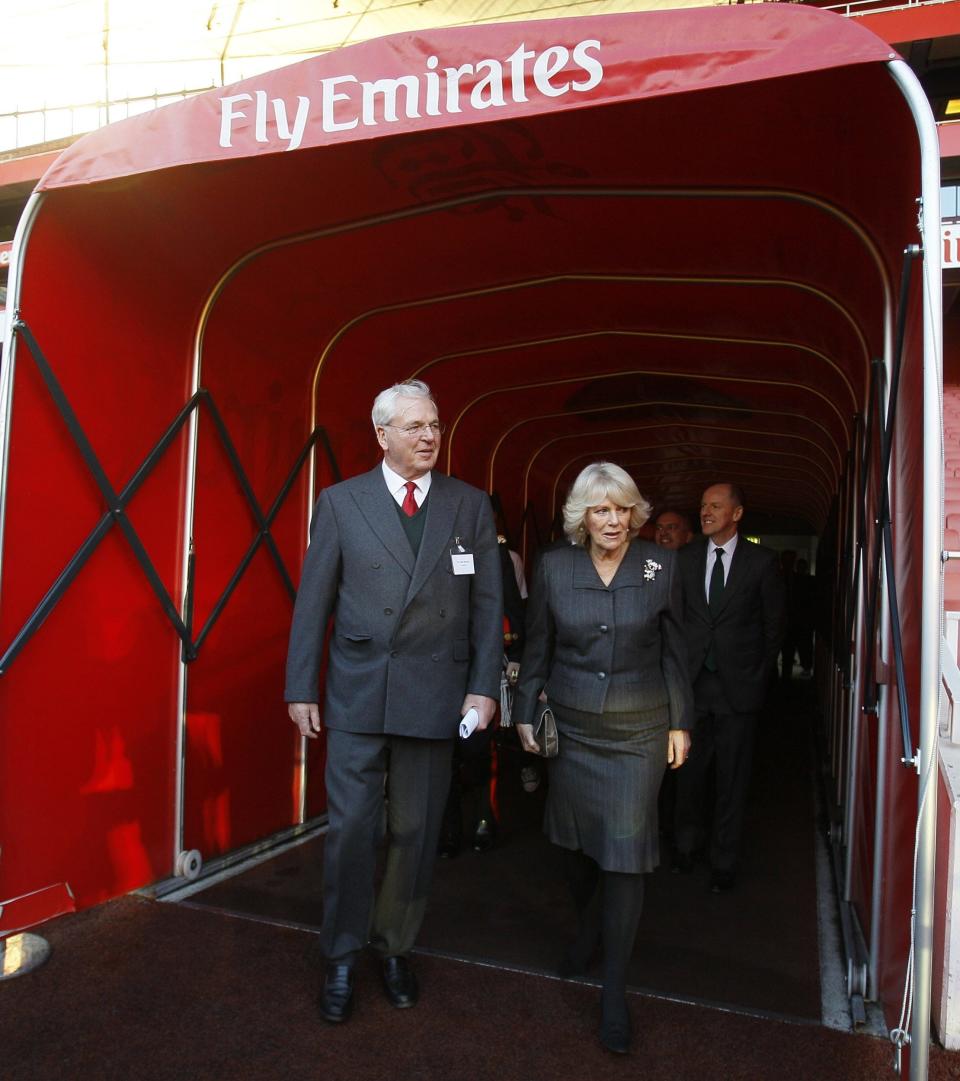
x,y
836,464
932,609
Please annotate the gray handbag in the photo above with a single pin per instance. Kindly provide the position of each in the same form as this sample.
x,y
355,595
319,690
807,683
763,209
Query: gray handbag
x,y
545,731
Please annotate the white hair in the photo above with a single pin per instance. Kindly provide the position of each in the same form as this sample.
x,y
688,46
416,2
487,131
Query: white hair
x,y
595,483
385,403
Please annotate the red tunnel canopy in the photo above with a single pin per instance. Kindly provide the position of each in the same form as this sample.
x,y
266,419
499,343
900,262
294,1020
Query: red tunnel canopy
x,y
451,77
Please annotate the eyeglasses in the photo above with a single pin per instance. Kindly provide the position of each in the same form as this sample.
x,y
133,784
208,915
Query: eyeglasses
x,y
414,431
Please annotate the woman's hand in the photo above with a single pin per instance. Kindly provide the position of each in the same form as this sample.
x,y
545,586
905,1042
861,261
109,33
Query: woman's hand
x,y
678,746
527,742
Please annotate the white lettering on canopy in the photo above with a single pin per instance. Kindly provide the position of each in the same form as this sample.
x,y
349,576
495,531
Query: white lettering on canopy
x,y
346,102
950,236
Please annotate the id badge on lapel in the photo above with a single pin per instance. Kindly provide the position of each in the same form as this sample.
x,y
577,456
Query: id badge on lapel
x,y
461,558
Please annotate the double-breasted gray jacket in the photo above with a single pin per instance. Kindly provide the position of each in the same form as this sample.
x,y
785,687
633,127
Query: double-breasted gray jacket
x,y
597,648
409,638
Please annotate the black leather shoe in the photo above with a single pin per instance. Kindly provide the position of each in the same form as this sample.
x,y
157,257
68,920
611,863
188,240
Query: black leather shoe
x,y
400,983
682,863
721,881
484,835
336,994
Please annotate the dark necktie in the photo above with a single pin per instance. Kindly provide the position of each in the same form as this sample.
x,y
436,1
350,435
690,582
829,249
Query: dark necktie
x,y
716,581
713,600
409,505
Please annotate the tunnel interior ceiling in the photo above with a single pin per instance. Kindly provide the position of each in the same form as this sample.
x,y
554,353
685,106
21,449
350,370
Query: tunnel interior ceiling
x,y
584,282
521,337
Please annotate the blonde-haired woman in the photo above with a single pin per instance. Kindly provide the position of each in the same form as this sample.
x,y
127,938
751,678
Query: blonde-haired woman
x,y
605,642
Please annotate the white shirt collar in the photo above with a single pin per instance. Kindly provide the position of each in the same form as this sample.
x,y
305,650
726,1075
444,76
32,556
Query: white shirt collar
x,y
729,547
397,485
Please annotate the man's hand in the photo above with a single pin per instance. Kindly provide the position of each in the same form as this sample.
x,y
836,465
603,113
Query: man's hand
x,y
485,707
306,716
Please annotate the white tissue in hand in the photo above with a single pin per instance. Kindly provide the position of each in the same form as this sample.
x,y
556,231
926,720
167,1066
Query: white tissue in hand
x,y
468,723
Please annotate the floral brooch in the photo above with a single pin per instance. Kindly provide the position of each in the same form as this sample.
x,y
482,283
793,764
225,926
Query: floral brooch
x,y
650,568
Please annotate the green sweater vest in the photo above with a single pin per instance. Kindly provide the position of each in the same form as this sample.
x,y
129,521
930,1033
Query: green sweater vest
x,y
413,526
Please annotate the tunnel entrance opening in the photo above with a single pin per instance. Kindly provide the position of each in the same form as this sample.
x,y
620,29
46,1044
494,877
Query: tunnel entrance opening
x,y
642,266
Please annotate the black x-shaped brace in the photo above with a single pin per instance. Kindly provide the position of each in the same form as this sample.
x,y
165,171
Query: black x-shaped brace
x,y
116,512
884,427
529,514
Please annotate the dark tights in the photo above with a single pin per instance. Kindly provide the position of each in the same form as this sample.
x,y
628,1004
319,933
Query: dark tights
x,y
608,906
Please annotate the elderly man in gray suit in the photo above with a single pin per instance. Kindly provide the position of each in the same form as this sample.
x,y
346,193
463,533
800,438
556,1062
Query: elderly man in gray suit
x,y
405,561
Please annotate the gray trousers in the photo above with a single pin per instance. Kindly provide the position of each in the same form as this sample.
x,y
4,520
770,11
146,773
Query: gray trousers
x,y
417,777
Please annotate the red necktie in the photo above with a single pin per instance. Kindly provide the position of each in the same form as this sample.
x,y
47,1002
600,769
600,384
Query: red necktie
x,y
409,506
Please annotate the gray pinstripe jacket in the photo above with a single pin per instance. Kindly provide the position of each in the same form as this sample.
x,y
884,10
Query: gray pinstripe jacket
x,y
410,638
597,648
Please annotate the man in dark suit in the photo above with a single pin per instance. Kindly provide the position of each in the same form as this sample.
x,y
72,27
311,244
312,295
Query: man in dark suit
x,y
734,613
405,561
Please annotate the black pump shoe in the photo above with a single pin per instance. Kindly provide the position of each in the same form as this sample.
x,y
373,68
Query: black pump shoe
x,y
615,1037
615,1027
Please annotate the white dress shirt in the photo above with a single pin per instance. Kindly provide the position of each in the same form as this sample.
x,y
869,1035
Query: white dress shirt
x,y
397,486
728,549
518,573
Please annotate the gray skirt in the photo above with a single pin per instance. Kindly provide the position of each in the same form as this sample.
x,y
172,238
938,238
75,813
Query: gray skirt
x,y
604,783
